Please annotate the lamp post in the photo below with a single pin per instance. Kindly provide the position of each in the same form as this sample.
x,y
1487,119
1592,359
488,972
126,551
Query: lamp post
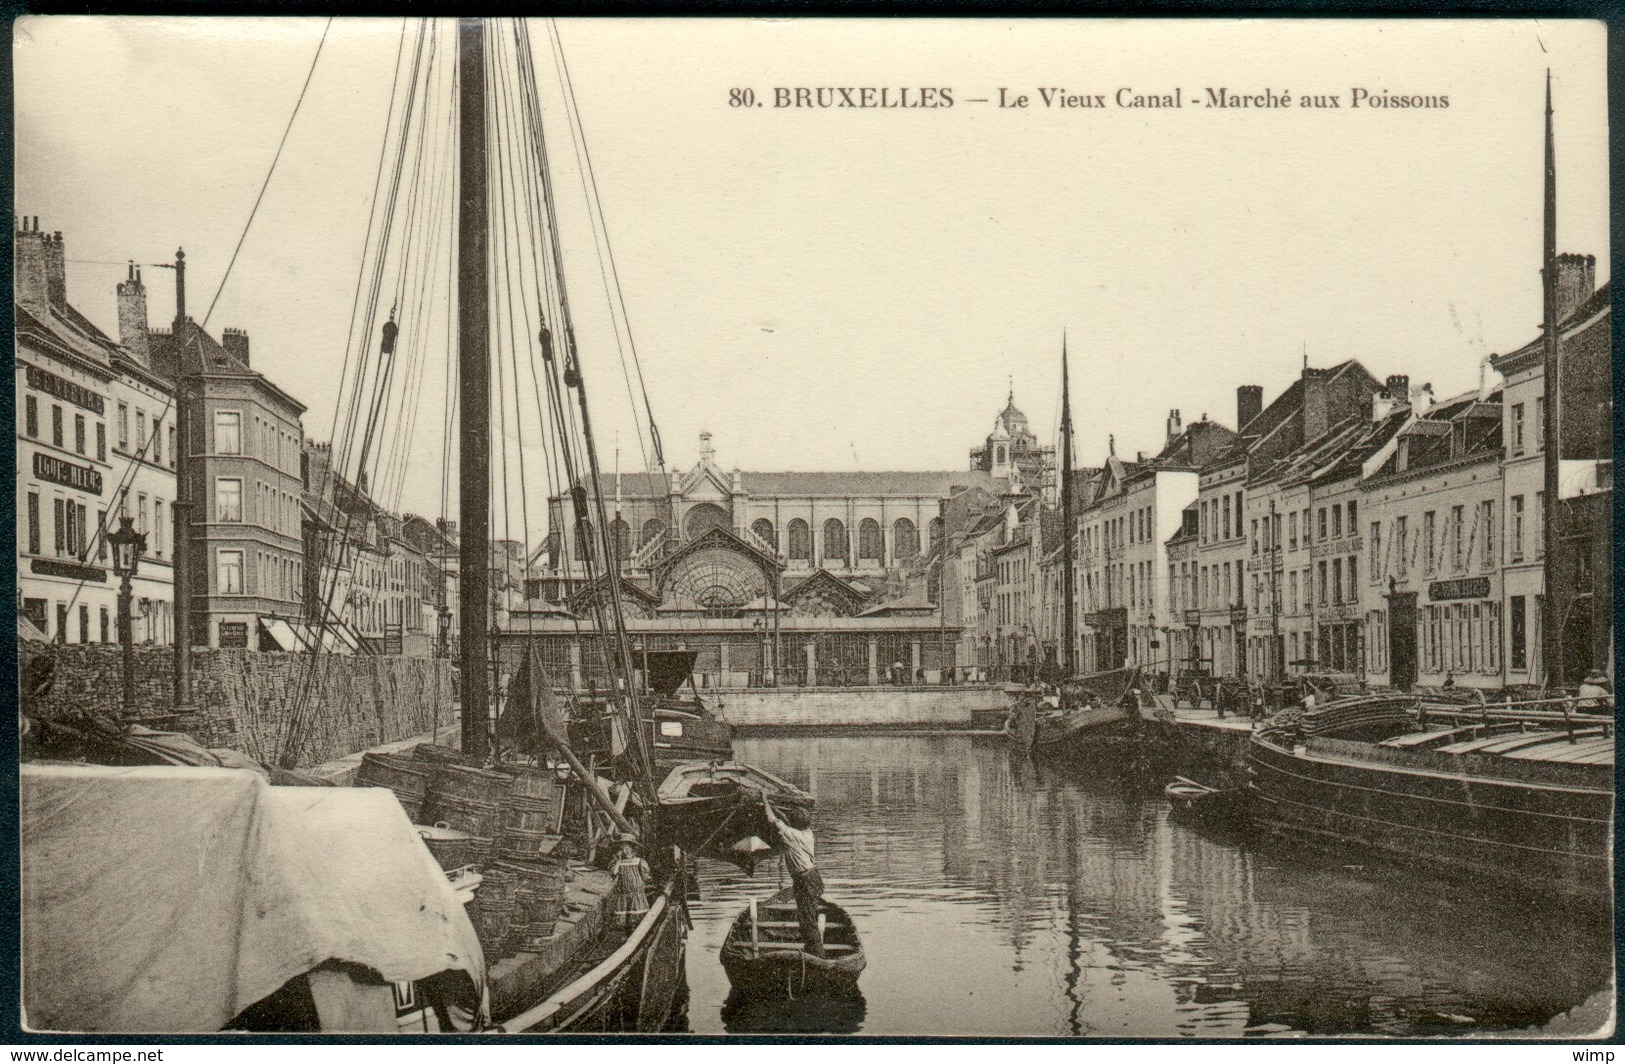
x,y
128,546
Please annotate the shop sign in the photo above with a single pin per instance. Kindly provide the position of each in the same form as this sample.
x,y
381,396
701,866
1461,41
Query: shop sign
x,y
1467,587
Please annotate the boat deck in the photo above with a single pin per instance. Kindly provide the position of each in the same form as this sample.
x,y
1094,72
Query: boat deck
x,y
520,981
1530,746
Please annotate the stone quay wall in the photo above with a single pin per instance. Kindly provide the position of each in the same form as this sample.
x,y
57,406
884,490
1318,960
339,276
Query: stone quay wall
x,y
908,708
246,700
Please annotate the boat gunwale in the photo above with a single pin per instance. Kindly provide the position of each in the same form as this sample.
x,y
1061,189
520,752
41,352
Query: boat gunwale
x,y
1387,763
598,977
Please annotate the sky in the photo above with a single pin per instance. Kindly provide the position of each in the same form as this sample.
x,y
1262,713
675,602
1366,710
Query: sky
x,y
857,288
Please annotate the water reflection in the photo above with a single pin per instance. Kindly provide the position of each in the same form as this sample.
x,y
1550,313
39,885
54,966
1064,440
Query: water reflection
x,y
815,1013
999,898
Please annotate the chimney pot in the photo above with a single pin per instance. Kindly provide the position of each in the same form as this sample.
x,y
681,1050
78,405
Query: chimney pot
x,y
1576,280
133,331
1249,403
235,342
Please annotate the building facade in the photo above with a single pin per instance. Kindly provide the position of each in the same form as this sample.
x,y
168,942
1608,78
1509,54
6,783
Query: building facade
x,y
67,479
243,467
1585,590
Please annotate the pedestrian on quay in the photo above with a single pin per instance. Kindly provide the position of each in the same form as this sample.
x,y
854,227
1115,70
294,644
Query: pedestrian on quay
x,y
1594,693
795,836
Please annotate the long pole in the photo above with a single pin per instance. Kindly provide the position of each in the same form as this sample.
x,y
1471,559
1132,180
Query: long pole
x,y
1070,617
126,642
1551,641
181,511
474,386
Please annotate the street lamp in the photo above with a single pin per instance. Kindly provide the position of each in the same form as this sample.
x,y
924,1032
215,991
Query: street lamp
x,y
128,546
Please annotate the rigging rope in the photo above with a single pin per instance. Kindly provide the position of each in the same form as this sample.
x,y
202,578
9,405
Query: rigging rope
x,y
267,182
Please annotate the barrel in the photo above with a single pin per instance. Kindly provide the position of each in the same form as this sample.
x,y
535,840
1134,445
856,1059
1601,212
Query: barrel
x,y
407,779
521,845
455,849
528,814
476,818
495,907
470,784
534,785
434,753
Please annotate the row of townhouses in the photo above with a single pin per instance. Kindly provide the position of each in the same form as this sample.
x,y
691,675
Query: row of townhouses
x,y
1352,525
97,440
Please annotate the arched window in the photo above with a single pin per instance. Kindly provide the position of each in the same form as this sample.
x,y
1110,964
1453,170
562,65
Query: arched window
x,y
703,518
834,539
764,532
870,548
652,529
621,534
905,538
935,531
584,551
800,540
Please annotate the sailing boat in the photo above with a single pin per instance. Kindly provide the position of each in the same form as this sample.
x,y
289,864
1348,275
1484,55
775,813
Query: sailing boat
x,y
525,922
596,951
1092,707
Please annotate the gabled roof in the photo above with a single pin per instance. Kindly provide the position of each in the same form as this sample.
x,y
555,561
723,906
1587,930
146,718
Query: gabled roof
x,y
823,579
713,538
1597,305
205,355
67,330
581,599
1282,420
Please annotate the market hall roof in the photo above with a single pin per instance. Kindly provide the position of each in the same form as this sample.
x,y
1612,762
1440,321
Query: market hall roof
x,y
791,484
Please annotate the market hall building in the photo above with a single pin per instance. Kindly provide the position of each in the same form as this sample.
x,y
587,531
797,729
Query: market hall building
x,y
774,578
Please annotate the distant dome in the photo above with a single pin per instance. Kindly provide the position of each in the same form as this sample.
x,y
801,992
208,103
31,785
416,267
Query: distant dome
x,y
1013,417
999,432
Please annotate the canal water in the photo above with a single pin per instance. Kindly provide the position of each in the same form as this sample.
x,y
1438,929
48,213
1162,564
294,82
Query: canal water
x,y
1002,899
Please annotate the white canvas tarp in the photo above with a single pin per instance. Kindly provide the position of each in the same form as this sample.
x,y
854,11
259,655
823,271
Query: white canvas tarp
x,y
169,899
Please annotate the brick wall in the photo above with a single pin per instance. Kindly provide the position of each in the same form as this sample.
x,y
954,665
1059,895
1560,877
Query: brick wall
x,y
246,699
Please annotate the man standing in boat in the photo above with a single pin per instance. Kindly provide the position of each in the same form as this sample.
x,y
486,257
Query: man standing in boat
x,y
794,829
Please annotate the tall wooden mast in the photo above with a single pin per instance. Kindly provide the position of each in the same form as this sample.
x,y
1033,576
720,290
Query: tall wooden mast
x,y
474,386
1551,430
1070,619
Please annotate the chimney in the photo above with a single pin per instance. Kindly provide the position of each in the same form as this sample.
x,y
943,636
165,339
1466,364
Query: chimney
x,y
447,527
32,280
1249,404
1174,425
1316,404
235,341
1382,404
56,270
1576,280
132,317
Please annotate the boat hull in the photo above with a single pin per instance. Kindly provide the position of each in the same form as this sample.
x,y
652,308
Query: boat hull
x,y
1540,825
1084,732
783,967
634,989
679,736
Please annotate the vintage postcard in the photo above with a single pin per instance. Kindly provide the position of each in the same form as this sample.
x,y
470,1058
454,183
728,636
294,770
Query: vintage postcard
x,y
994,529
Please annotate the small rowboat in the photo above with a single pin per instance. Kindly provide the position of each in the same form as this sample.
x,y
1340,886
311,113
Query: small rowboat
x,y
763,953
1211,805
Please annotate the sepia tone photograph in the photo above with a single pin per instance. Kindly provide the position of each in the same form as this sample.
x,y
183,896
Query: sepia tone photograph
x,y
1051,529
